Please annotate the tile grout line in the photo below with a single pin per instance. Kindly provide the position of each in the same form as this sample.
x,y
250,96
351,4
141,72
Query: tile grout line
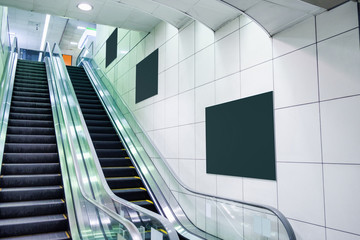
x,y
320,125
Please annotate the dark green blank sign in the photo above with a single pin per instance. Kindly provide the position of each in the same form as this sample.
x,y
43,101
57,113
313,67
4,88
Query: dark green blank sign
x,y
240,138
147,77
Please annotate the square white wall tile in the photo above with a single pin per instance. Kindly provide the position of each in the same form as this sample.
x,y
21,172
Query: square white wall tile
x,y
342,197
255,46
295,78
187,141
204,36
260,191
339,61
187,172
162,59
172,142
340,130
305,231
145,117
336,235
204,97
205,183
160,34
257,80
200,141
244,20
187,107
300,191
204,66
171,31
229,187
188,204
298,36
187,74
159,115
337,20
171,112
227,55
161,88
159,140
150,43
227,89
172,81
172,52
297,134
228,28
187,41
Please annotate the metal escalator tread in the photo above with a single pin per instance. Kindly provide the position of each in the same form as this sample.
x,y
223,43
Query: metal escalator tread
x,y
32,204
119,172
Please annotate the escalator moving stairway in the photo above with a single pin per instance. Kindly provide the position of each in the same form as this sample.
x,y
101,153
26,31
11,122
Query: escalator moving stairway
x,y
32,203
118,169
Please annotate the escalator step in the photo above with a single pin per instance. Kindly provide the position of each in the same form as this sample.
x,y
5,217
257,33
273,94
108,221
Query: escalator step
x,y
104,137
30,110
27,89
30,131
31,208
124,182
33,123
95,117
102,123
146,204
30,94
30,99
30,148
30,104
97,111
32,225
64,235
29,180
94,129
10,138
30,168
91,106
115,162
31,158
30,116
111,153
108,144
119,171
31,193
131,194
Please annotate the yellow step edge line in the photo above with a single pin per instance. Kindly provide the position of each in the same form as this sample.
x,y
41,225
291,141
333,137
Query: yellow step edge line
x,y
162,230
63,200
67,234
60,186
123,177
127,157
142,201
119,167
65,216
128,188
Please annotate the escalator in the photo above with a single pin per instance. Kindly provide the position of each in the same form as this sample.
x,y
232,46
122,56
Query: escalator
x,y
32,202
117,167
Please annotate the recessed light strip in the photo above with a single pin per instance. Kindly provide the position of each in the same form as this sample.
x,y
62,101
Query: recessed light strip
x,y
84,6
43,38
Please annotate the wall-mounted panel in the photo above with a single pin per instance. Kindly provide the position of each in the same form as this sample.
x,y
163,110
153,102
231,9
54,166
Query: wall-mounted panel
x,y
147,77
111,48
240,138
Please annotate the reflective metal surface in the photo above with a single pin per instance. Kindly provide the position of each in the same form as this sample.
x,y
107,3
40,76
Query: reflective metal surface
x,y
7,85
85,166
217,217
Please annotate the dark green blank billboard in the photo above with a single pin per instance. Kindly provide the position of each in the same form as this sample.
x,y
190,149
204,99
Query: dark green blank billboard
x,y
240,138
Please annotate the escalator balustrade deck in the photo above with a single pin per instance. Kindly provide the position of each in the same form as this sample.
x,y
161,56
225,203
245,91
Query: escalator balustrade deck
x,y
118,169
32,204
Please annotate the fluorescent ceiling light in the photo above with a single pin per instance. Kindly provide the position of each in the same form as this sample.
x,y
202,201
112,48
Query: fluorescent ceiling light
x,y
43,38
84,6
73,43
81,28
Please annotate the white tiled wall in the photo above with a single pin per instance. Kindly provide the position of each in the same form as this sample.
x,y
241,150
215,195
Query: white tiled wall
x,y
313,69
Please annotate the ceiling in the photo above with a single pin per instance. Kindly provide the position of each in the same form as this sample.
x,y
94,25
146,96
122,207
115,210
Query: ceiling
x,y
142,15
29,26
